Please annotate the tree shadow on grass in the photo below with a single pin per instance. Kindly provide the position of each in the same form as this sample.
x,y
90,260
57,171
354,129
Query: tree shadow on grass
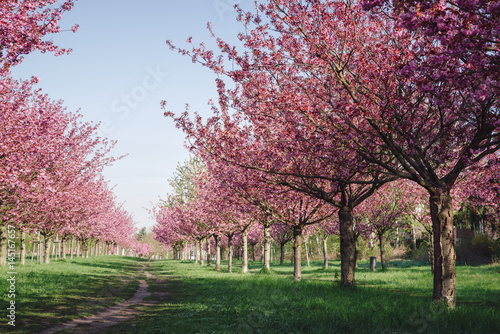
x,y
275,304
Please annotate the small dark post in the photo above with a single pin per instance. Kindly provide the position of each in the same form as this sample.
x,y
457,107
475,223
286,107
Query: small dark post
x,y
373,263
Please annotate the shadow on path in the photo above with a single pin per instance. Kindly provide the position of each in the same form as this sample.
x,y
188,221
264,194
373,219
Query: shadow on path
x,y
109,317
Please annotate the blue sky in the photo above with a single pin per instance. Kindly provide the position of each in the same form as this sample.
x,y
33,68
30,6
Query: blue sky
x,y
119,72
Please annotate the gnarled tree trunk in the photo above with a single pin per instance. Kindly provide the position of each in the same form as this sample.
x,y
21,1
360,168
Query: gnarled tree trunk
x,y
444,248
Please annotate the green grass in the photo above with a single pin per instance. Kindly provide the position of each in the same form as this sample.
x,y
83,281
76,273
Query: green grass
x,y
47,295
397,301
188,298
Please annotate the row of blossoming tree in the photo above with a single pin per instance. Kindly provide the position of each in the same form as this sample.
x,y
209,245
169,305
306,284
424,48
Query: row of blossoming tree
x,y
51,162
327,103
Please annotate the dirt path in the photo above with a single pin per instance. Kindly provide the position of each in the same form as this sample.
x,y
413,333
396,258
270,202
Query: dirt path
x,y
109,317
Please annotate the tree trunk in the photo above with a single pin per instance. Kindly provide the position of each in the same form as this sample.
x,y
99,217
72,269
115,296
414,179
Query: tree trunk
x,y
217,252
63,251
230,253
23,248
39,250
297,247
325,253
382,251
46,241
84,248
282,253
3,245
202,257
267,247
209,251
413,237
444,249
54,249
244,258
347,247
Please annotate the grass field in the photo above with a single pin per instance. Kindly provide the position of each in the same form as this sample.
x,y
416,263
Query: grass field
x,y
199,300
47,295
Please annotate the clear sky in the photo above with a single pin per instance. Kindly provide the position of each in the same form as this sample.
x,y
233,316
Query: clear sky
x,y
119,72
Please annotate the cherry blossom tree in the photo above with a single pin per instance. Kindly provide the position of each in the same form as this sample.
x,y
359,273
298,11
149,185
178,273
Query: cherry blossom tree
x,y
50,168
387,209
272,131
324,230
282,234
24,26
451,94
321,71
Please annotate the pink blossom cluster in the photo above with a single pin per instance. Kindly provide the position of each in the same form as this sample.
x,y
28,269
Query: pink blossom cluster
x,y
26,26
50,170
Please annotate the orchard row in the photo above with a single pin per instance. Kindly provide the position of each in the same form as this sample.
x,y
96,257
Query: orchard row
x,y
346,115
51,161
